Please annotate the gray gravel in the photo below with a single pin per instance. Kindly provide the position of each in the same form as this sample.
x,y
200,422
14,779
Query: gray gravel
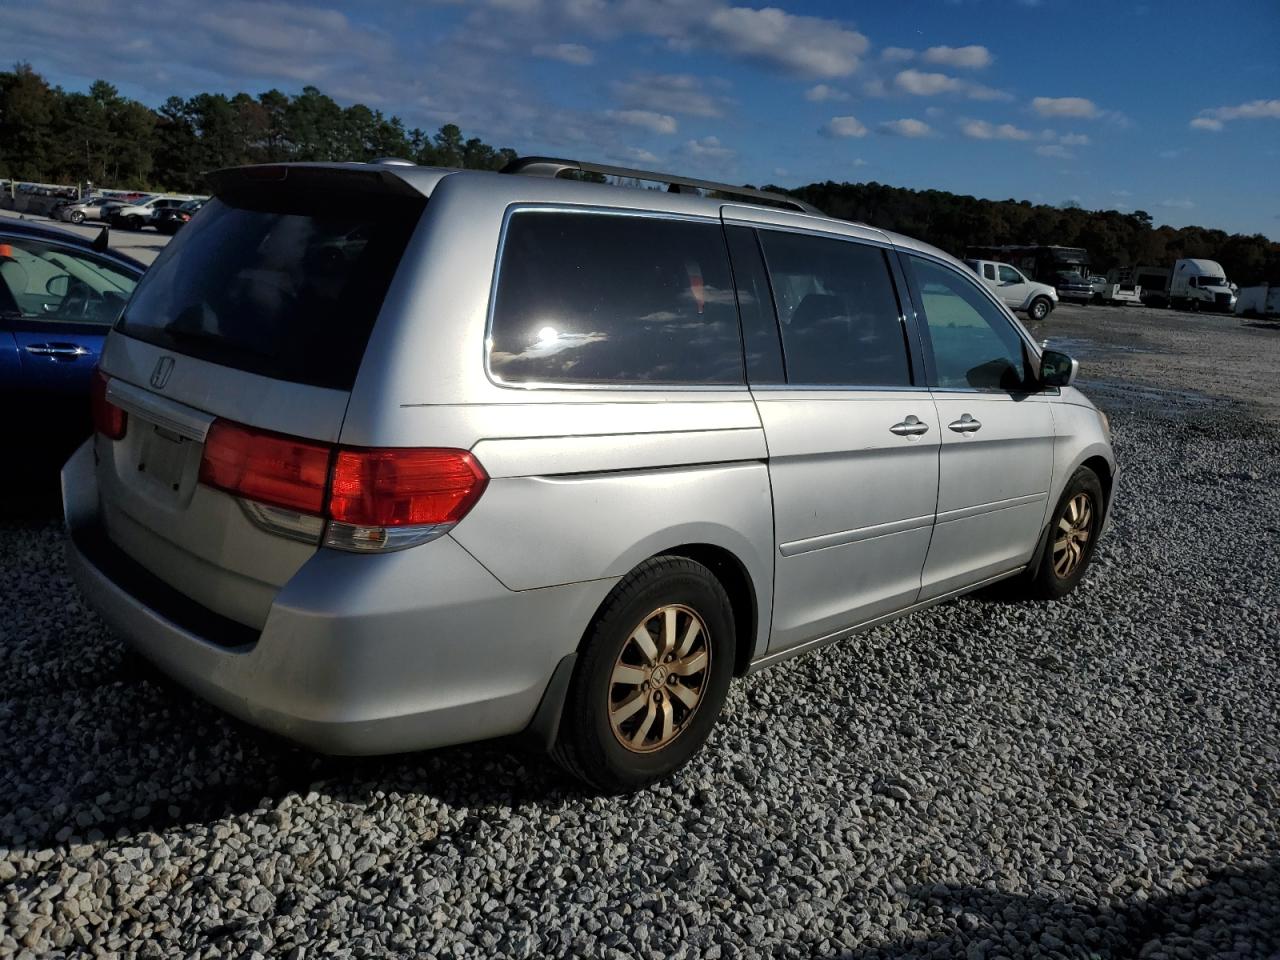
x,y
1098,777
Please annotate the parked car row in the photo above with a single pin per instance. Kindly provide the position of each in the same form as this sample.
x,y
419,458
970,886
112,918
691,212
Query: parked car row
x,y
166,212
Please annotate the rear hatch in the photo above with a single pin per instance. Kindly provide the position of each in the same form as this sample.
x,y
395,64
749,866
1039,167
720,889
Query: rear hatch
x,y
243,341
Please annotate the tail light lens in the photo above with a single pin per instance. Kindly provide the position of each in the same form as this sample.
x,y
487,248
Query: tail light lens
x,y
373,499
404,487
108,419
266,467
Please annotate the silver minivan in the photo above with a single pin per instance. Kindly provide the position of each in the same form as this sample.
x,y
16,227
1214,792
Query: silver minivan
x,y
389,457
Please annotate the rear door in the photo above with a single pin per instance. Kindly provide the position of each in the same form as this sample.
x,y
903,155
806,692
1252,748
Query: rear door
x,y
257,315
995,428
852,434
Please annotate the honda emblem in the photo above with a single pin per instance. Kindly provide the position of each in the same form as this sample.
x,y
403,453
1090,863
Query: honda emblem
x,y
160,375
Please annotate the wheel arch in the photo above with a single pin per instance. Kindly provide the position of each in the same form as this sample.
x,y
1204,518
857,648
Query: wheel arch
x,y
736,580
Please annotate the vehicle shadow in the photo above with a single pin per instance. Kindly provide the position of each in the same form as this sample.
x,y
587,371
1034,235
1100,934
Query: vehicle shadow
x,y
1235,913
121,750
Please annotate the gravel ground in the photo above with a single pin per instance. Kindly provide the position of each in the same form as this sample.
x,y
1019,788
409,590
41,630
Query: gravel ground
x,y
1098,777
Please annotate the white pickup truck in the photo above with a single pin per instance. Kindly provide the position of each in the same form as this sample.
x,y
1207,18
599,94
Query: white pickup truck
x,y
1019,293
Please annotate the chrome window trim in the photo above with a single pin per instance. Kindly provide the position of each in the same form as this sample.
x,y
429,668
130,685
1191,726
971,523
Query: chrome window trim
x,y
560,207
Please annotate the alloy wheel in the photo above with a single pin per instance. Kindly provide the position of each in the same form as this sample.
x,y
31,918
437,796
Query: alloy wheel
x,y
659,678
1075,527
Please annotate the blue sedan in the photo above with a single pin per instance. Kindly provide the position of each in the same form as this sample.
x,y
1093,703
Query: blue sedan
x,y
59,295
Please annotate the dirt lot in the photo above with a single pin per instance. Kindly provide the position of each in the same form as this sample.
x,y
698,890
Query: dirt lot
x,y
1184,356
1092,778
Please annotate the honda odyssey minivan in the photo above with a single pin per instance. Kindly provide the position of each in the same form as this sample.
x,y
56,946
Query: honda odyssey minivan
x,y
389,457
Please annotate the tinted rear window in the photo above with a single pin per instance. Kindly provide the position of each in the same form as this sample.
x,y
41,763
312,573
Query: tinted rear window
x,y
592,297
286,286
838,310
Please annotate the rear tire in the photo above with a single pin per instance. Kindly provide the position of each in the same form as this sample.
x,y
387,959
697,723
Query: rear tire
x,y
77,216
133,223
650,679
1039,308
1074,526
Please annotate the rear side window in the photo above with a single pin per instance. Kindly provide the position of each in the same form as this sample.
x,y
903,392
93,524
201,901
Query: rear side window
x,y
283,285
839,314
604,298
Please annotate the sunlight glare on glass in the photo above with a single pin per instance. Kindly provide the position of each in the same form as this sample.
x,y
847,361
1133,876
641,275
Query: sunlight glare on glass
x,y
547,334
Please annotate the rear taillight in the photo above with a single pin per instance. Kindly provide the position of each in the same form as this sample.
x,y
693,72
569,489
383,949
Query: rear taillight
x,y
404,487
373,499
266,467
108,419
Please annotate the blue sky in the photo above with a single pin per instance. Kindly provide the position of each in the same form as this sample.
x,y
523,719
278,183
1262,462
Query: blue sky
x,y
1170,107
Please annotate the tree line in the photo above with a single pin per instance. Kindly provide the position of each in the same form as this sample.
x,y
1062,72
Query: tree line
x,y
1113,238
50,135
55,136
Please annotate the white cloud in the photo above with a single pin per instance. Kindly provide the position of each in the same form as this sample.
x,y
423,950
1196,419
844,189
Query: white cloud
x,y
1121,193
810,46
574,53
897,54
1074,140
971,57
708,148
1253,110
634,155
1054,150
671,92
843,127
976,91
925,84
1065,107
922,84
907,127
859,162
1173,153
645,119
822,93
982,130
1178,204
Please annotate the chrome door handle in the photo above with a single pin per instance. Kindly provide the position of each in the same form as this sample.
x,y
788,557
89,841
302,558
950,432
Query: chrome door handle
x,y
966,424
60,351
910,427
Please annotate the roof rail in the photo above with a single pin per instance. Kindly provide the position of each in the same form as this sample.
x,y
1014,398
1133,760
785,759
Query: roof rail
x,y
554,167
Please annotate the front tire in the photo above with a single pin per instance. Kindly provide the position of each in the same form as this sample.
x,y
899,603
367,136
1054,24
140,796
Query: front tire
x,y
1039,308
133,223
77,216
1073,533
651,677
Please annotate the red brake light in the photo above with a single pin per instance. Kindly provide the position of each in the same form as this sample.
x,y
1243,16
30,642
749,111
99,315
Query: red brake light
x,y
108,419
394,487
266,467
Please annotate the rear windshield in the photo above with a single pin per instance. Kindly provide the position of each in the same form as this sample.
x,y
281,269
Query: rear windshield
x,y
281,285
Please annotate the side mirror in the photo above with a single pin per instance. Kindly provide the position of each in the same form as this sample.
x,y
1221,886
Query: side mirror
x,y
57,286
1058,369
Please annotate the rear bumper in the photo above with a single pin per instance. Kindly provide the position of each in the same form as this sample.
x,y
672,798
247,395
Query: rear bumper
x,y
359,654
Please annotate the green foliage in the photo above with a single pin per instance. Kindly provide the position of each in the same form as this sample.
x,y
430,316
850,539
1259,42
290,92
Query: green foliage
x,y
1113,239
52,136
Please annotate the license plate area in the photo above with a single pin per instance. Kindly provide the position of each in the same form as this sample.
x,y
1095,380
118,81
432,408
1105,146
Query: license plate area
x,y
167,464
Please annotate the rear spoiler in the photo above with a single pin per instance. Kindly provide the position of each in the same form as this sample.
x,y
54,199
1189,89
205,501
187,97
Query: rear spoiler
x,y
309,178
